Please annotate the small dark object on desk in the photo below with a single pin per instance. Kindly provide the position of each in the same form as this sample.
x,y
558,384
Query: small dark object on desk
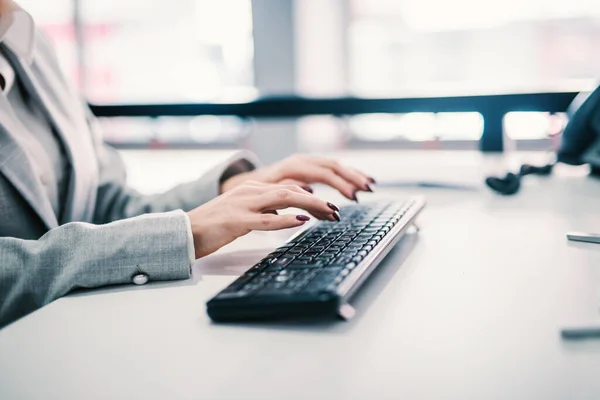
x,y
588,332
511,183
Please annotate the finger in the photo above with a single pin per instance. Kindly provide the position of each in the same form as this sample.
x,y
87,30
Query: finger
x,y
270,222
255,187
295,182
369,179
269,187
282,197
323,217
316,173
353,176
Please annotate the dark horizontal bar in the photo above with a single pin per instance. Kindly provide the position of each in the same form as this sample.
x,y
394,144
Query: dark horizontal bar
x,y
273,107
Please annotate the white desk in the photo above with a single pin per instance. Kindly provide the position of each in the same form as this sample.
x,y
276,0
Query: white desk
x,y
470,308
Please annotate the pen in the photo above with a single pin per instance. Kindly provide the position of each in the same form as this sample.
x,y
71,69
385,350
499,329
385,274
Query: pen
x,y
584,332
429,184
583,237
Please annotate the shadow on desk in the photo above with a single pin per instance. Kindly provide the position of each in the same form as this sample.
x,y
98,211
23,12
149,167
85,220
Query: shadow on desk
x,y
235,263
390,268
584,246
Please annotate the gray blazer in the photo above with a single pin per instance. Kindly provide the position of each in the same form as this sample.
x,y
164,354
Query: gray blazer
x,y
108,232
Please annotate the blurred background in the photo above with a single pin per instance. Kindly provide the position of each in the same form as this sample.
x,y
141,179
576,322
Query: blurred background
x,y
178,52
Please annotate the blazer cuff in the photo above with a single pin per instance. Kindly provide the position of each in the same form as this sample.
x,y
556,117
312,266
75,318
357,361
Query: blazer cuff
x,y
190,235
164,238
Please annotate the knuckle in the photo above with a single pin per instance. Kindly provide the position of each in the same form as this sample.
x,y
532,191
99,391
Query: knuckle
x,y
294,188
297,158
283,194
239,189
248,187
267,220
330,176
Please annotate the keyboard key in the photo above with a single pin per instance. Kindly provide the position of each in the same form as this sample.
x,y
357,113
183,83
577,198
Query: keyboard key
x,y
352,250
357,259
283,261
343,259
314,264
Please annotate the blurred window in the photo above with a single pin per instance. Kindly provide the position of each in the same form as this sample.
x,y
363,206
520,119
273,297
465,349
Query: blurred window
x,y
417,127
439,47
423,48
202,51
520,125
185,50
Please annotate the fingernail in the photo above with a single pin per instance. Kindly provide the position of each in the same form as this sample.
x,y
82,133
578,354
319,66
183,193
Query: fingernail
x,y
354,197
337,217
302,218
371,180
307,188
333,206
368,188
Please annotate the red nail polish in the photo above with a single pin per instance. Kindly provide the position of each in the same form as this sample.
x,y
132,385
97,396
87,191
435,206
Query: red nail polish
x,y
303,218
337,217
368,188
354,197
333,206
371,180
308,189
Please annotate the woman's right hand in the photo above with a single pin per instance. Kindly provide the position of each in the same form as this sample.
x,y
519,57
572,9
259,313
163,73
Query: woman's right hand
x,y
251,206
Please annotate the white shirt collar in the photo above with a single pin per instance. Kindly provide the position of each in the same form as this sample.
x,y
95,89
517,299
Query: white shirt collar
x,y
17,31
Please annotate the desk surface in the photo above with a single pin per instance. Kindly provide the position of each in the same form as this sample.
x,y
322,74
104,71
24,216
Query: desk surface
x,y
469,308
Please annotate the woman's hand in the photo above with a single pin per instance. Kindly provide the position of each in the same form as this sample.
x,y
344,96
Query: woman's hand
x,y
250,206
303,170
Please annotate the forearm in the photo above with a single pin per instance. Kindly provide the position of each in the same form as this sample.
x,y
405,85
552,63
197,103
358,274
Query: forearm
x,y
80,255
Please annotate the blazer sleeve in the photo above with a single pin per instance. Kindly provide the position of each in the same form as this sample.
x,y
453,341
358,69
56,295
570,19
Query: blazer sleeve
x,y
81,255
115,200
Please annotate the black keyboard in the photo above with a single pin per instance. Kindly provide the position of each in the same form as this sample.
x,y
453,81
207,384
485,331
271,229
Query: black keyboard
x,y
316,272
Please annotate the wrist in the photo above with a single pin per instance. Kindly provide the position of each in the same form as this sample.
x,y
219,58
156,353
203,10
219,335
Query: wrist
x,y
232,182
193,230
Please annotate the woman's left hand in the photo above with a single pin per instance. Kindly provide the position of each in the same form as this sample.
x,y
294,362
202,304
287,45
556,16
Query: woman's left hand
x,y
302,170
